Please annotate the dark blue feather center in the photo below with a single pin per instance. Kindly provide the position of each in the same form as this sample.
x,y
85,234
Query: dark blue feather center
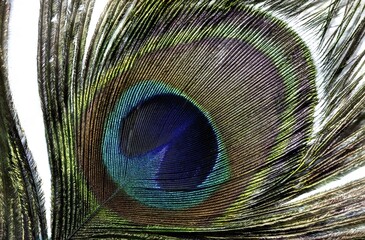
x,y
175,128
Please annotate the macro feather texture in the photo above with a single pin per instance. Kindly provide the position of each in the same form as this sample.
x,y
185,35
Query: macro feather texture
x,y
201,119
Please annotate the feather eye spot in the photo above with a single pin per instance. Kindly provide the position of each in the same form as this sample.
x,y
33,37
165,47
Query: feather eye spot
x,y
202,106
172,127
161,147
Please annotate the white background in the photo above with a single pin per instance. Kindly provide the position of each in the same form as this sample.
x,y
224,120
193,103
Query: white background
x,y
22,63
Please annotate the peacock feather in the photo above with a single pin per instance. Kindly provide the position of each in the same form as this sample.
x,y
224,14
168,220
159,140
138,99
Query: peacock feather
x,y
192,120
